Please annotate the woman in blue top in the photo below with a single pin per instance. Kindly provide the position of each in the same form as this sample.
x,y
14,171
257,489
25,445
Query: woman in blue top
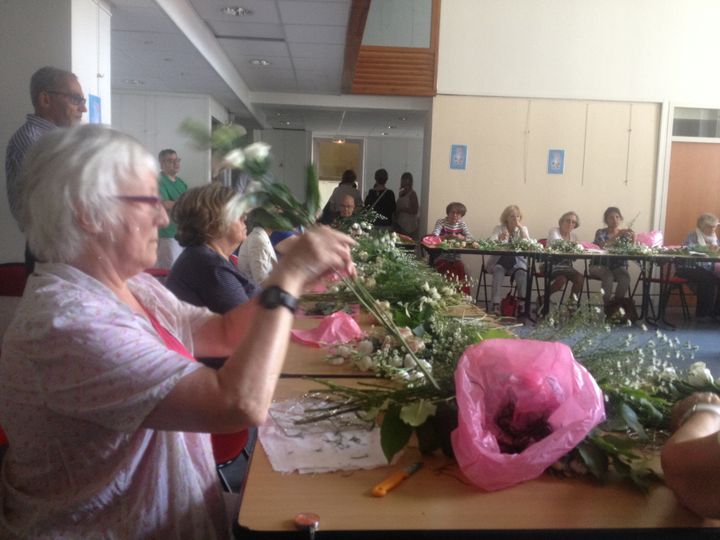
x,y
210,228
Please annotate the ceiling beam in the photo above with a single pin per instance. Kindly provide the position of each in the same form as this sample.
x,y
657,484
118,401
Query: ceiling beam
x,y
189,23
344,102
353,41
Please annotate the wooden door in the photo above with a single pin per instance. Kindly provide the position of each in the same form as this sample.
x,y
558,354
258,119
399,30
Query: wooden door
x,y
693,187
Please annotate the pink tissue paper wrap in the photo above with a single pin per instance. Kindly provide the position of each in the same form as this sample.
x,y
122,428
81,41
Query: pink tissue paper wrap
x,y
541,377
332,330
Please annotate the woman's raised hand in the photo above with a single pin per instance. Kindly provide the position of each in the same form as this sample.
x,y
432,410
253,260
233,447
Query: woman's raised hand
x,y
319,251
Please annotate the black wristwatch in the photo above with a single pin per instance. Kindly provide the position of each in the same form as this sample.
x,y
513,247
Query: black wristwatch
x,y
273,296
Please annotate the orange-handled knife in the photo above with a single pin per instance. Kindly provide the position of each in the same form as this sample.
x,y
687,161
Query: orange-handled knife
x,y
395,479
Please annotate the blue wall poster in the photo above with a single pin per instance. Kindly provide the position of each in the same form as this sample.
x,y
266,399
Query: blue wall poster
x,y
556,161
94,109
458,156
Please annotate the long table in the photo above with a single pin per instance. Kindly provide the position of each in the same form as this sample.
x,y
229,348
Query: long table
x,y
647,263
438,502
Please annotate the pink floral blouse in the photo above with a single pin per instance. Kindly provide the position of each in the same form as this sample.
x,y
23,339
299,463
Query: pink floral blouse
x,y
79,373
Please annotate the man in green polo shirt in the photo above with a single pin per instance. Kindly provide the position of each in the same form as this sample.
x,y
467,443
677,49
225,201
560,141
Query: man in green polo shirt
x,y
170,186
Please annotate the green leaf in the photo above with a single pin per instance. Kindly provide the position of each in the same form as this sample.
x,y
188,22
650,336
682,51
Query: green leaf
x,y
417,412
594,458
394,433
250,201
631,418
494,333
275,221
312,192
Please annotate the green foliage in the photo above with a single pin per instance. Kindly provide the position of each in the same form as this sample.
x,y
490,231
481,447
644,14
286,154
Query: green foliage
x,y
394,432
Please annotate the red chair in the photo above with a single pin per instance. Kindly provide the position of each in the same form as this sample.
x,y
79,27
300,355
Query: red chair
x,y
13,278
158,273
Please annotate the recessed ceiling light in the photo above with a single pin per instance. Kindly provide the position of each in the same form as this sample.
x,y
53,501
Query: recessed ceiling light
x,y
402,118
259,62
287,122
390,126
236,11
133,81
384,133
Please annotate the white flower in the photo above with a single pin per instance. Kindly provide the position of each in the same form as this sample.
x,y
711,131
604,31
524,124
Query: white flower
x,y
408,361
370,282
258,152
356,226
336,360
344,351
234,158
363,255
365,363
365,347
621,311
425,286
699,374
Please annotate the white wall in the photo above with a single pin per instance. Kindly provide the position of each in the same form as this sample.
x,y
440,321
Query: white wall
x,y
154,119
33,34
290,156
90,27
629,50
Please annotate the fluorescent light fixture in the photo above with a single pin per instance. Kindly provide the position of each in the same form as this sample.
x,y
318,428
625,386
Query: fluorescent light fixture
x,y
236,11
259,62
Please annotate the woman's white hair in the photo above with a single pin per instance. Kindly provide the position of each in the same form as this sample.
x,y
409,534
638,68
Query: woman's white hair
x,y
73,175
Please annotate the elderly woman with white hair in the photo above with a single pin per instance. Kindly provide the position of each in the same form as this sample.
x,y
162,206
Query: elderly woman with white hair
x,y
105,409
703,278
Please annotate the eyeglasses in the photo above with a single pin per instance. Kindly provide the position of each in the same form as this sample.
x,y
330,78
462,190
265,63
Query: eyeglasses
x,y
155,202
76,99
170,160
570,220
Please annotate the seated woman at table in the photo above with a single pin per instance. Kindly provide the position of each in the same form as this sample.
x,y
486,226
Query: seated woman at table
x,y
608,271
452,226
106,411
510,228
563,270
702,277
256,257
210,229
691,457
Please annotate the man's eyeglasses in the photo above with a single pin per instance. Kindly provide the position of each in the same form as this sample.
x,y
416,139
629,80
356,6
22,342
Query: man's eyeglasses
x,y
75,99
155,202
171,160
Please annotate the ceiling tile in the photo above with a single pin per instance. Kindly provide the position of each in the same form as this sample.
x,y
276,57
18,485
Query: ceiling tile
x,y
247,30
314,50
263,11
254,47
299,12
314,33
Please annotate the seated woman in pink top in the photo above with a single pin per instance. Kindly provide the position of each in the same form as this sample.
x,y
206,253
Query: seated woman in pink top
x,y
106,411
